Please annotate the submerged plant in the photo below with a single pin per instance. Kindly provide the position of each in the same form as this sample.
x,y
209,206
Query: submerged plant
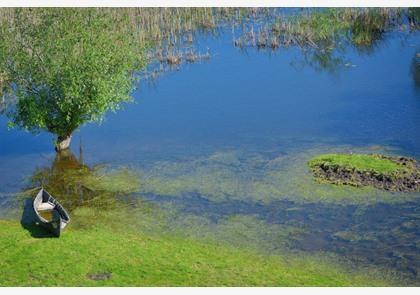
x,y
77,185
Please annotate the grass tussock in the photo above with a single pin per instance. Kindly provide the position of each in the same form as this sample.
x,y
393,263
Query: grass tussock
x,y
389,173
362,162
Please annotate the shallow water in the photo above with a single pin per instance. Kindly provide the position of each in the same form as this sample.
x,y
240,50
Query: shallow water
x,y
221,148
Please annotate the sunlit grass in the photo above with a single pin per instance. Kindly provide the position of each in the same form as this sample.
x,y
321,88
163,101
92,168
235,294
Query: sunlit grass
x,y
361,162
140,260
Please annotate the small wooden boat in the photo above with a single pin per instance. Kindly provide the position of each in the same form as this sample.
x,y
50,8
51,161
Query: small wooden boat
x,y
51,214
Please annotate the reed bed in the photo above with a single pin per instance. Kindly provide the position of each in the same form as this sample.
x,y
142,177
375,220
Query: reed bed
x,y
169,34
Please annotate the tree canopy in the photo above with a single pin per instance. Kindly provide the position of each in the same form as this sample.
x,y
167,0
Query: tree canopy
x,y
66,66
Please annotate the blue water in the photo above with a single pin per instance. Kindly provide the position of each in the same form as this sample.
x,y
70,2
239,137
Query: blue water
x,y
260,105
250,98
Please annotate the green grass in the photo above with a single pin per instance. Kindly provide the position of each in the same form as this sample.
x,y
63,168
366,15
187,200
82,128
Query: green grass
x,y
360,162
139,260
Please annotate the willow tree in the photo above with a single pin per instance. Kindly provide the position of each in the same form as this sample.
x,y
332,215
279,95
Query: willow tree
x,y
66,67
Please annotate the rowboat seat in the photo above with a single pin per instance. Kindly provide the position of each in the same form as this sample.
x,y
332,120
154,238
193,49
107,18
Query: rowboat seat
x,y
45,206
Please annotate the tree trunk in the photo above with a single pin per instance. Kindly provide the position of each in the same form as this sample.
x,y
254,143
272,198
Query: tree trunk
x,y
62,143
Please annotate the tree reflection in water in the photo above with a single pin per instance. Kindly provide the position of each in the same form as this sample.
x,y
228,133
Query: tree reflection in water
x,y
76,185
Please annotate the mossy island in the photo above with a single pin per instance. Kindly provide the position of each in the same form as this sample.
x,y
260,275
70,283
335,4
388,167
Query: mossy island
x,y
383,172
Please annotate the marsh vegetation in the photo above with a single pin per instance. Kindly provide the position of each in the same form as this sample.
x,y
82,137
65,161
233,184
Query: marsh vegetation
x,y
89,70
205,179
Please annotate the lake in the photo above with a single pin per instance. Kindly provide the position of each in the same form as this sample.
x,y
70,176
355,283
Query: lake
x,y
221,146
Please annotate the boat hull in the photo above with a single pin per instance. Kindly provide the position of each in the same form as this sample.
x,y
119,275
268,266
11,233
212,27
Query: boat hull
x,y
58,218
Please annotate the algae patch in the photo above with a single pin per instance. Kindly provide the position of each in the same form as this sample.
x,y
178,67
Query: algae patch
x,y
259,177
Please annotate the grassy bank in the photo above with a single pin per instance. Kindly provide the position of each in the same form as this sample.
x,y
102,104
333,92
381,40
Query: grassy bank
x,y
130,259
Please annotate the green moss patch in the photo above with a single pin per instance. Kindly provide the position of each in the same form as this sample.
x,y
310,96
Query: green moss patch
x,y
102,256
389,173
360,162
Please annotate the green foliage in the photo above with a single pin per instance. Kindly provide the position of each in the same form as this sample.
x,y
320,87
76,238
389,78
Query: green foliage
x,y
327,27
324,34
414,15
67,66
140,260
368,26
317,26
